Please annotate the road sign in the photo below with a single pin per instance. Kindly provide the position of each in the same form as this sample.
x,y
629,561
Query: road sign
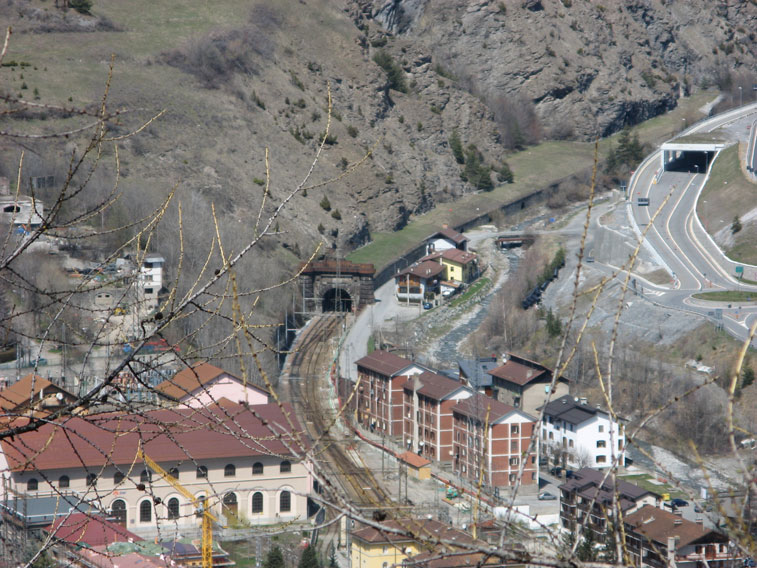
x,y
642,201
739,270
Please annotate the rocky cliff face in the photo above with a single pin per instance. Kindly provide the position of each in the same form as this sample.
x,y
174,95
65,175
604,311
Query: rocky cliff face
x,y
589,68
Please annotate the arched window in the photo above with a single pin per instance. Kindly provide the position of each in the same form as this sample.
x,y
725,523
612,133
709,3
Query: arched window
x,y
257,502
230,470
118,477
91,479
64,482
145,476
257,468
32,485
230,503
145,511
173,508
118,512
202,472
174,472
285,502
285,467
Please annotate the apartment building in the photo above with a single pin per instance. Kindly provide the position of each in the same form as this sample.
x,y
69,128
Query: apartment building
x,y
494,436
379,401
525,384
428,402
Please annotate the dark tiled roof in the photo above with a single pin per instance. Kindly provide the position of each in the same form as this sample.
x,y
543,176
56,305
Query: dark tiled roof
x,y
658,525
384,363
415,530
478,405
459,256
414,459
225,430
476,371
26,391
433,386
588,483
451,234
568,409
426,269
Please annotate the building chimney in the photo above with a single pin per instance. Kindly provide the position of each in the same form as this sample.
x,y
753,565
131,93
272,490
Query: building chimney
x,y
672,548
584,400
445,226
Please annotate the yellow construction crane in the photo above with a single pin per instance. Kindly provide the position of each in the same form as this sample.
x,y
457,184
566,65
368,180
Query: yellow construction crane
x,y
201,507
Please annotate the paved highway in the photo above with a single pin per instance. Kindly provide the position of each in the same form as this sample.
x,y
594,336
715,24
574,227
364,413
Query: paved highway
x,y
751,149
677,236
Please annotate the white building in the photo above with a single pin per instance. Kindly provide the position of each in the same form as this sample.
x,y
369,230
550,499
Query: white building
x,y
151,279
581,435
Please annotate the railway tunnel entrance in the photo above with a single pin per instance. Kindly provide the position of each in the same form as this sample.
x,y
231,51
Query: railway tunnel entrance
x,y
336,300
693,158
336,285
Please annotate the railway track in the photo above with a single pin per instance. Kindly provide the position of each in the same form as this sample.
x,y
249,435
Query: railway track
x,y
308,376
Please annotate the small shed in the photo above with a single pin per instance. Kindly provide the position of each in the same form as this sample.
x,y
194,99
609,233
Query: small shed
x,y
417,466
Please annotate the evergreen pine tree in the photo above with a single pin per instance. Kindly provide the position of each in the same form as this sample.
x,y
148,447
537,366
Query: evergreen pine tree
x,y
309,559
274,558
747,377
457,147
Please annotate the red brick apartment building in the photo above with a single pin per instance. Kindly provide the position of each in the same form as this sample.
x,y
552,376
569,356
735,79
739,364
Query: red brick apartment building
x,y
428,402
381,376
496,436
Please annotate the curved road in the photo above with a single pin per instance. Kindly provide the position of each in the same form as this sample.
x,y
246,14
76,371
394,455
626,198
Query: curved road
x,y
679,240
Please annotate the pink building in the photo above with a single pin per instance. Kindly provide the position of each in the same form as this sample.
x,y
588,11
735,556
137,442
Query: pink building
x,y
204,384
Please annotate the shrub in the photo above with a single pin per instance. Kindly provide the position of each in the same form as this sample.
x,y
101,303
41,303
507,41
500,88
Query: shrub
x,y
321,228
325,204
336,214
81,6
258,181
394,73
352,131
457,147
329,139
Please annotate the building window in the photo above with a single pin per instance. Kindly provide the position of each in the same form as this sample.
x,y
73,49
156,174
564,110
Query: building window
x,y
512,477
257,503
173,508
257,468
515,429
145,512
620,445
118,512
601,428
230,470
118,477
32,484
145,476
64,482
230,506
601,443
514,461
533,475
285,467
91,479
202,472
285,502
601,459
174,472
570,443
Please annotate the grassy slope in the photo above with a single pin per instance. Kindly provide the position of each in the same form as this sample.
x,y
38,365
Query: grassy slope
x,y
534,168
728,193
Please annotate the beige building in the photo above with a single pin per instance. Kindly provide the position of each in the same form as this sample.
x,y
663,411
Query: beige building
x,y
525,384
244,459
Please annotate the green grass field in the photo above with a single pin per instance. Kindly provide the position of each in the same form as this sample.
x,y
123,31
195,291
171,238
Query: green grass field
x,y
727,296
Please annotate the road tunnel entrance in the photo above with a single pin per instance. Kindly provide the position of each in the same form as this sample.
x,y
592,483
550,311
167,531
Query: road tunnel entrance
x,y
692,158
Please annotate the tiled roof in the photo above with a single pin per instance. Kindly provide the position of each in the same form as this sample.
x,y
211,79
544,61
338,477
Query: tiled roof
x,y
588,483
193,378
25,390
451,234
476,371
658,525
384,363
516,372
478,405
91,530
568,409
459,256
433,385
426,269
225,430
414,459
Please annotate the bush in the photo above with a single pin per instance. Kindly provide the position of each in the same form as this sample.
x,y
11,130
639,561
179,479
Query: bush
x,y
81,6
328,139
505,174
325,204
476,172
336,214
352,131
457,147
394,73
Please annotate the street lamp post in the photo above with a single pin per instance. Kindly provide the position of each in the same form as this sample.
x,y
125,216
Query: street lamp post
x,y
740,99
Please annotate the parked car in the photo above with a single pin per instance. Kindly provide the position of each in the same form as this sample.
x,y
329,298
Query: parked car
x,y
427,305
678,502
546,496
555,470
